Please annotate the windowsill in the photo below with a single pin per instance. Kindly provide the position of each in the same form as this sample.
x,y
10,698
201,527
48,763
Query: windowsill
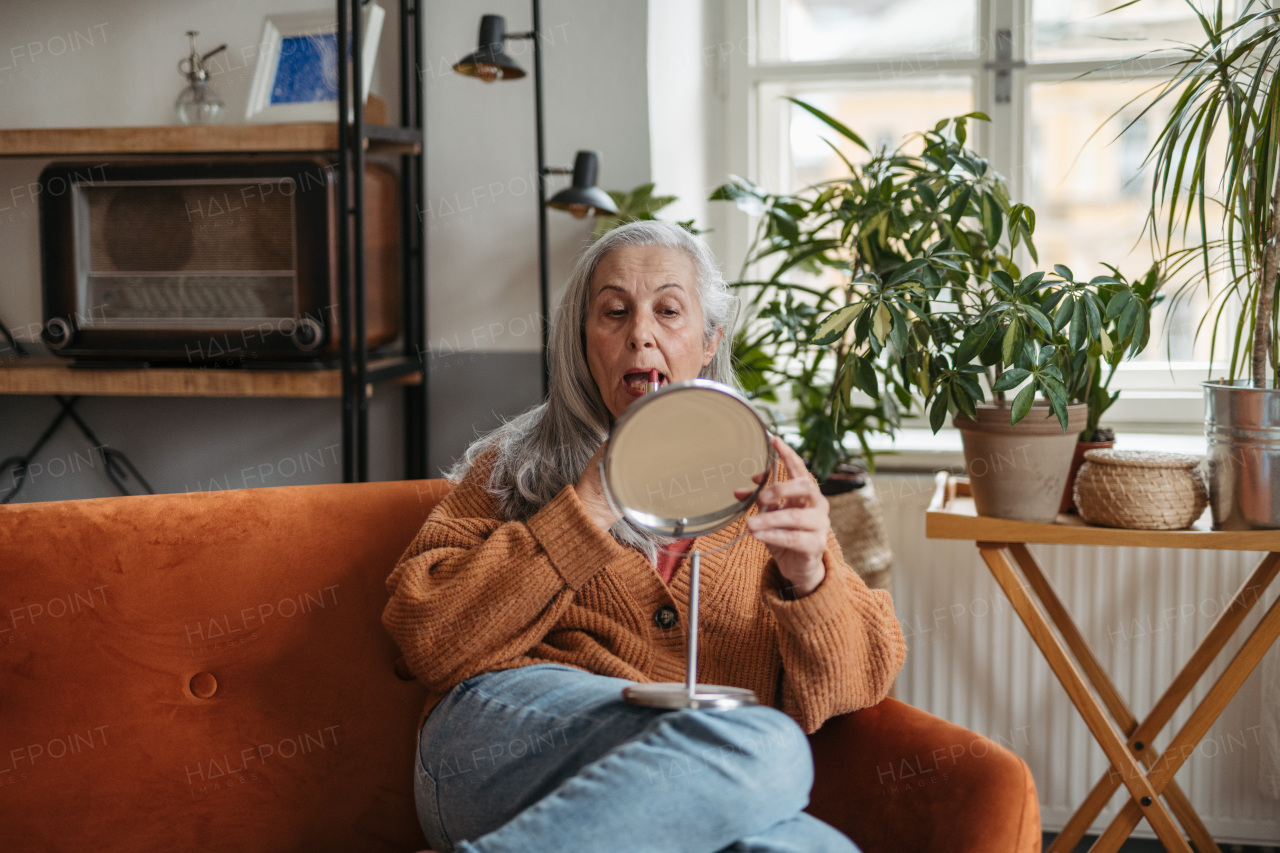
x,y
914,450
1161,407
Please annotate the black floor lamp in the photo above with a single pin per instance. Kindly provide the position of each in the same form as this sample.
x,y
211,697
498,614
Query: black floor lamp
x,y
489,63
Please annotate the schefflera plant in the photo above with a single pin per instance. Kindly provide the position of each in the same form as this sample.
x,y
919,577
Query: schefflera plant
x,y
927,218
1045,335
898,279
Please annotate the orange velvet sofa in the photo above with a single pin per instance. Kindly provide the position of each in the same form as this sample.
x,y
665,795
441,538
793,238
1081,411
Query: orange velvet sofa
x,y
208,672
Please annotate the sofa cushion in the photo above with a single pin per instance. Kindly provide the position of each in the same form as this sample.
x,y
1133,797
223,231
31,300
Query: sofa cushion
x,y
896,779
207,671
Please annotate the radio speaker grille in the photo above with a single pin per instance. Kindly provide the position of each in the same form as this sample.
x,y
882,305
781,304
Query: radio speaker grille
x,y
207,226
189,300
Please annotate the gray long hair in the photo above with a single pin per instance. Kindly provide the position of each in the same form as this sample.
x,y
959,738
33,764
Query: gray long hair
x,y
541,451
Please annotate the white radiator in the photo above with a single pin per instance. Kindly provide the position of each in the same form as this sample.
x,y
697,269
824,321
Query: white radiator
x,y
1142,611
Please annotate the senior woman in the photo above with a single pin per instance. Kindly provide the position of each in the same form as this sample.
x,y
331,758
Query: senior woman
x,y
525,605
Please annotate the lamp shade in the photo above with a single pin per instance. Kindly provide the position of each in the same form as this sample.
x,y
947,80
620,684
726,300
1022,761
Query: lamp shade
x,y
584,197
490,62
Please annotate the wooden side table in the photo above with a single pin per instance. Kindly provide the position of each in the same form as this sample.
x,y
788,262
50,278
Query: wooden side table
x,y
1127,743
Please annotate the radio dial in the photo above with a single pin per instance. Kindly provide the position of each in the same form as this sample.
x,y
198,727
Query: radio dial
x,y
57,333
308,335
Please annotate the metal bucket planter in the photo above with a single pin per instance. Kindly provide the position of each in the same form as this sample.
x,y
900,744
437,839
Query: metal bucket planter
x,y
1019,471
1242,425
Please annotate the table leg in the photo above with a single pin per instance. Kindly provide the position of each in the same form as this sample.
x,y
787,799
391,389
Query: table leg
x,y
1223,628
1188,737
1115,749
1097,800
1079,824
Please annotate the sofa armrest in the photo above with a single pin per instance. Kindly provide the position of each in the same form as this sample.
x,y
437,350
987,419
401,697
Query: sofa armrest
x,y
895,778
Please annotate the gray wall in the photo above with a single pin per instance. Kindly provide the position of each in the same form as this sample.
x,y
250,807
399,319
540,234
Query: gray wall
x,y
481,221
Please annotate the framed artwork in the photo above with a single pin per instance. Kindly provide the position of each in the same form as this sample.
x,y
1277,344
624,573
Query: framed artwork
x,y
296,78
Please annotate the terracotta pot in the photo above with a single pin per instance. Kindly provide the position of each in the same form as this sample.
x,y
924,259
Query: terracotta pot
x,y
1018,471
1077,459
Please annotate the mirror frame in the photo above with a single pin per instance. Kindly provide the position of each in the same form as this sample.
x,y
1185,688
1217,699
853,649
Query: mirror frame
x,y
684,527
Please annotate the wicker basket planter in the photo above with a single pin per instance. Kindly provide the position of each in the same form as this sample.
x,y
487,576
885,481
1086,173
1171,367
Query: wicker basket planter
x,y
1140,490
857,519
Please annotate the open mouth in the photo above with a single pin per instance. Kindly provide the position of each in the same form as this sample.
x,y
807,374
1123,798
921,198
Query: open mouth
x,y
638,380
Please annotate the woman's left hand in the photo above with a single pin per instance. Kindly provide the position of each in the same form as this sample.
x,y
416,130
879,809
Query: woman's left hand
x,y
793,522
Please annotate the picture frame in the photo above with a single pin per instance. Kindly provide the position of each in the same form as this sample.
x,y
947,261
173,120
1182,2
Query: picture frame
x,y
296,76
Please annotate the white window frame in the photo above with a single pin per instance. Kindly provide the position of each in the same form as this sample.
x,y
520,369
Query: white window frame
x,y
1157,397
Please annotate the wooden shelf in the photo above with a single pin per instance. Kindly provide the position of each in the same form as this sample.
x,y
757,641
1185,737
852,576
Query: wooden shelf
x,y
952,515
44,376
183,139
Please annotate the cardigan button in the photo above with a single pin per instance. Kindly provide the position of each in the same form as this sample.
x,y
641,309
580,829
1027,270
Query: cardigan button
x,y
666,617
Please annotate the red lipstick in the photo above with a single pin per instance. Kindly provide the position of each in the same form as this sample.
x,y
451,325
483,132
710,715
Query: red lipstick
x,y
653,380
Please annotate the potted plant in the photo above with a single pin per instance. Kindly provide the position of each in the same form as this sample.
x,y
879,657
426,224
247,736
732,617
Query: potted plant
x,y
635,205
924,302
1095,388
1223,121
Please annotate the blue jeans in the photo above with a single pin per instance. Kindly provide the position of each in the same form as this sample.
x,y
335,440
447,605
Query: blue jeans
x,y
549,758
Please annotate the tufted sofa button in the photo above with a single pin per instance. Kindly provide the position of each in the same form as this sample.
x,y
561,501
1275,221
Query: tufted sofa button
x,y
203,685
666,617
402,669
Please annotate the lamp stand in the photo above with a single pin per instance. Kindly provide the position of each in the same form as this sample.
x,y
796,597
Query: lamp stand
x,y
544,276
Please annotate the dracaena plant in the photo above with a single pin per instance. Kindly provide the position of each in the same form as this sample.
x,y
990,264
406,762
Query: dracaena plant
x,y
1224,119
898,281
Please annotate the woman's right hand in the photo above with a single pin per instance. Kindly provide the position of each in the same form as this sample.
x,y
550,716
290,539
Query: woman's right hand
x,y
590,490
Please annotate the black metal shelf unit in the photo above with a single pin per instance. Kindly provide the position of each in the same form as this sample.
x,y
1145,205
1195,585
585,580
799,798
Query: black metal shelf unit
x,y
352,135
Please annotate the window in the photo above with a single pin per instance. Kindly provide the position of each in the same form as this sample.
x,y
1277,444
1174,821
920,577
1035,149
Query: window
x,y
1062,130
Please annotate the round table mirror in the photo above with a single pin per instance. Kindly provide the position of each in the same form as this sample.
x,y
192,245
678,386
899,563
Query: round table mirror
x,y
674,460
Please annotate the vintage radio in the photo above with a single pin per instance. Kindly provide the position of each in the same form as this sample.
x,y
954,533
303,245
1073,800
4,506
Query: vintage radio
x,y
222,260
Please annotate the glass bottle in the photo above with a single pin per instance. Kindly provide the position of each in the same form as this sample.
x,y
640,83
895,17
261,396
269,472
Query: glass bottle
x,y
198,103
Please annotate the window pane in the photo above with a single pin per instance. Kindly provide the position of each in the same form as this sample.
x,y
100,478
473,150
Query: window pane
x,y
1078,29
882,114
794,156
858,29
1091,197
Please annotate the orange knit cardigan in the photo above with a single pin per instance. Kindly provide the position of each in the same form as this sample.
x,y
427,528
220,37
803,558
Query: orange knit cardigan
x,y
474,594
